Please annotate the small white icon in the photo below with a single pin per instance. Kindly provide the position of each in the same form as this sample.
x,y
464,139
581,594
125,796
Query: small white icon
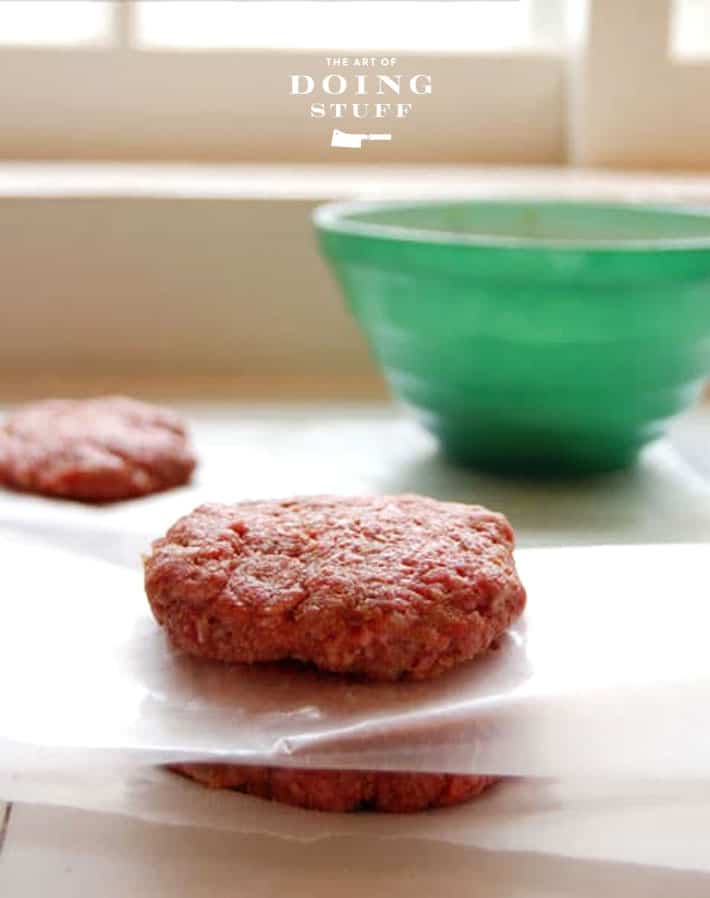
x,y
354,141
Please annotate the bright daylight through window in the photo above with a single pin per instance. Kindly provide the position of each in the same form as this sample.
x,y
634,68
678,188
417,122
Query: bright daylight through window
x,y
479,25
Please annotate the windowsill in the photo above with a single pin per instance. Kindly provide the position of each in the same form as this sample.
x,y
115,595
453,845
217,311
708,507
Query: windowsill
x,y
323,182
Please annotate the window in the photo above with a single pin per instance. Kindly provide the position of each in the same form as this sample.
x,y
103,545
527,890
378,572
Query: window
x,y
209,79
388,26
54,22
690,29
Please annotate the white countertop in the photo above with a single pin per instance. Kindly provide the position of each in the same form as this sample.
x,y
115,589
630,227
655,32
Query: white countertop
x,y
252,450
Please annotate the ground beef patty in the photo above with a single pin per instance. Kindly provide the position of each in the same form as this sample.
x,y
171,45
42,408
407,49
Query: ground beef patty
x,y
94,450
341,790
385,587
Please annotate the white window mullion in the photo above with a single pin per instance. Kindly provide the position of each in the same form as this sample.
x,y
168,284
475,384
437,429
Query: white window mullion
x,y
124,25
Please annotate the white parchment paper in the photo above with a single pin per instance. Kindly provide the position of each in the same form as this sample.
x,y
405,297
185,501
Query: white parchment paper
x,y
654,824
607,675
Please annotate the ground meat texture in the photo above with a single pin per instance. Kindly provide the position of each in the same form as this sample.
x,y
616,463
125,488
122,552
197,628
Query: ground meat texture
x,y
384,587
94,450
341,790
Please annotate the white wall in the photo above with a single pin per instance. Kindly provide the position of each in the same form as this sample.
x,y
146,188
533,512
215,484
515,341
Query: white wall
x,y
210,285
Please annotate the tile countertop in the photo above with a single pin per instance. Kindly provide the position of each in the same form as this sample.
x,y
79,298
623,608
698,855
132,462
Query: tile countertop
x,y
266,449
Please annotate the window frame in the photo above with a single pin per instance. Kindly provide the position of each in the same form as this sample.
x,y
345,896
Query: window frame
x,y
636,104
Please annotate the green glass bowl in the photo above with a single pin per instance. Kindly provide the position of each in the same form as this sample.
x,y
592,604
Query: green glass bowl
x,y
532,337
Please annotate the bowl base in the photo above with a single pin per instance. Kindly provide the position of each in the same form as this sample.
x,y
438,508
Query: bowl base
x,y
529,465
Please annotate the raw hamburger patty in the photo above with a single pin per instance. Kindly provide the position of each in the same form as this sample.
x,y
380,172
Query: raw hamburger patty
x,y
386,587
94,450
341,790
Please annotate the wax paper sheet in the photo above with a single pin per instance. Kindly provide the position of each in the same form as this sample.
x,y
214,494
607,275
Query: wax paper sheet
x,y
607,674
